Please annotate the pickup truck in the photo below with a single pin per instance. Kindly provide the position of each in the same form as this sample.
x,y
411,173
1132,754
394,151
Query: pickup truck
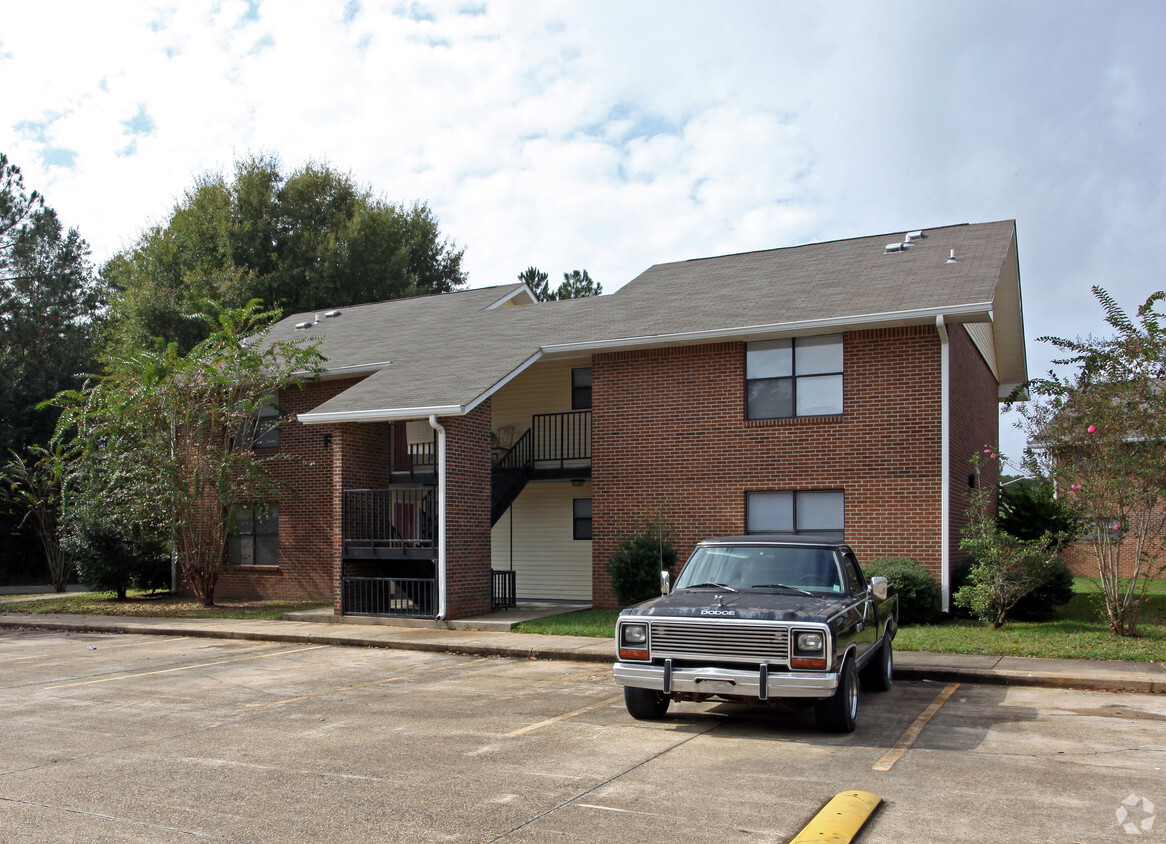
x,y
761,620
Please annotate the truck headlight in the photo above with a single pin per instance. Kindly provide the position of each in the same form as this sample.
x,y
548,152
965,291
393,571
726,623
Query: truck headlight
x,y
810,642
635,634
633,642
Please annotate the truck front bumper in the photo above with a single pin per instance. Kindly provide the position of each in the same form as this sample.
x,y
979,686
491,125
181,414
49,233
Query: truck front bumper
x,y
762,684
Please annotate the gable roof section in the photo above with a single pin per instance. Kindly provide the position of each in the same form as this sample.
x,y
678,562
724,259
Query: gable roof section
x,y
445,354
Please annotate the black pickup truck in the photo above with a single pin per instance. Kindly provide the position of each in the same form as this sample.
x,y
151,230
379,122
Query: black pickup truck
x,y
761,620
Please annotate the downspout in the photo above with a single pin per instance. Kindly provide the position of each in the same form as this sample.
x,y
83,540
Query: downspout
x,y
433,423
944,463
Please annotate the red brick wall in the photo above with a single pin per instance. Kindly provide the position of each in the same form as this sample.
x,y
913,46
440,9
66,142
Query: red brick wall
x,y
975,422
306,514
467,555
669,432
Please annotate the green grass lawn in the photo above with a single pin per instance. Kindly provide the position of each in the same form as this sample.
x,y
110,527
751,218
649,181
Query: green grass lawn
x,y
1076,633
156,604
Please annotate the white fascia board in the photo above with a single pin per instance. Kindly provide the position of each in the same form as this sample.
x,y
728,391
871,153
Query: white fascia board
x,y
976,312
510,376
389,414
518,291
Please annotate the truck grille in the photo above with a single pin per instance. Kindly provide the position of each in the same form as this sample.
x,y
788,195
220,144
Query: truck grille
x,y
749,642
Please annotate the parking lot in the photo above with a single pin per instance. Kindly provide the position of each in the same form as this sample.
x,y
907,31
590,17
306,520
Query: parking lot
x,y
141,738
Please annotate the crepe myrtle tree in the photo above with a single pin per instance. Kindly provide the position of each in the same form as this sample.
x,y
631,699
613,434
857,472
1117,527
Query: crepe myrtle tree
x,y
1098,432
178,430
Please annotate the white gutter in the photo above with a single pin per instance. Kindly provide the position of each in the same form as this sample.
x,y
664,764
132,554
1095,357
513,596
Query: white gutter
x,y
433,423
945,463
811,326
383,415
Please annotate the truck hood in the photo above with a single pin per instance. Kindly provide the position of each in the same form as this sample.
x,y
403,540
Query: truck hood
x,y
763,605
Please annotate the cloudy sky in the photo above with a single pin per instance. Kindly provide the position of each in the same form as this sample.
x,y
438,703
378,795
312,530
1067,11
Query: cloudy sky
x,y
614,135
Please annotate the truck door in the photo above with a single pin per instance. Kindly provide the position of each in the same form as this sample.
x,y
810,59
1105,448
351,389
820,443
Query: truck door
x,y
868,626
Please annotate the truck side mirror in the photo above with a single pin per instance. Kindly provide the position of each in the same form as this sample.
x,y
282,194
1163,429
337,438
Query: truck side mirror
x,y
880,586
665,582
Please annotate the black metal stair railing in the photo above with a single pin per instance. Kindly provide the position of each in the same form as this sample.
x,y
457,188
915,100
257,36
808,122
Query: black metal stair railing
x,y
510,475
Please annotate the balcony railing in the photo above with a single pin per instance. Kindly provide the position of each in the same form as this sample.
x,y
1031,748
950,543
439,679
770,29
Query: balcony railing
x,y
410,597
400,522
561,440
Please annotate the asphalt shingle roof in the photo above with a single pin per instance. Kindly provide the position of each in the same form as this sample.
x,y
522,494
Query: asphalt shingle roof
x,y
446,352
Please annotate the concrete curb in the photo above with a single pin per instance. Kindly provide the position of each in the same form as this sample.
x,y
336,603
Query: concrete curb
x,y
1090,675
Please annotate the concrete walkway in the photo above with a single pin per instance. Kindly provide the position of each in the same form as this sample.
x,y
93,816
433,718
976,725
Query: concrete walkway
x,y
473,636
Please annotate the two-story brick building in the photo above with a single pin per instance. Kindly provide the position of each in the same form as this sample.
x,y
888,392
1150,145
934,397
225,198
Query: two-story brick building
x,y
465,448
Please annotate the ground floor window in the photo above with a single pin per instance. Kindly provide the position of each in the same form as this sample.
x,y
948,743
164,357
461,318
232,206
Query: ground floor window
x,y
581,511
255,539
799,511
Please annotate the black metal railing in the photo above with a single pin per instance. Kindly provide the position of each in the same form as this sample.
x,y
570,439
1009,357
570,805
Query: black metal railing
x,y
503,594
510,475
410,597
561,440
420,462
379,522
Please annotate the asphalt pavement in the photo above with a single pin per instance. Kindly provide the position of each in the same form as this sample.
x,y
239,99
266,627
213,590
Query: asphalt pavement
x,y
491,636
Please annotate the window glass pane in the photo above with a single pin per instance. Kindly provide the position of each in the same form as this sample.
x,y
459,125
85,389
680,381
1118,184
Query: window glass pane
x,y
581,388
820,395
820,511
267,550
242,551
768,359
819,354
581,376
244,521
770,511
267,524
770,399
582,508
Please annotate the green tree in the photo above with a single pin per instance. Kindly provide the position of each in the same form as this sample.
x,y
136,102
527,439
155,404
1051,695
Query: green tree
x,y
1098,433
536,280
34,486
171,431
310,240
49,303
576,285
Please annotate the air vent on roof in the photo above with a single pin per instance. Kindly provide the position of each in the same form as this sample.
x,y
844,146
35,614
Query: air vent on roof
x,y
897,247
300,326
331,314
919,235
952,259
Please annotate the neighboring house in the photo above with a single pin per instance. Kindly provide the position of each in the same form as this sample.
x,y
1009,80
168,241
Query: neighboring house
x,y
461,450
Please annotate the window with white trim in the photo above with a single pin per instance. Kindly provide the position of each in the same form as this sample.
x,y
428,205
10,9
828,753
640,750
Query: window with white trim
x,y
818,512
796,376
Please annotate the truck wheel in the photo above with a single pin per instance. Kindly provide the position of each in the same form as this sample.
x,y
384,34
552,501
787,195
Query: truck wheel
x,y
879,673
644,704
839,713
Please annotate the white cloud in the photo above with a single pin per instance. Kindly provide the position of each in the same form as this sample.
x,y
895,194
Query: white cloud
x,y
613,135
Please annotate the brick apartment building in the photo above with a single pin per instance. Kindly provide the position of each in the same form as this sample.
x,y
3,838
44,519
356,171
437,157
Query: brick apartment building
x,y
465,450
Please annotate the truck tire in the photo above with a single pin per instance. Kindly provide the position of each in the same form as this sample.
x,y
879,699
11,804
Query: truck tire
x,y
839,712
879,673
645,704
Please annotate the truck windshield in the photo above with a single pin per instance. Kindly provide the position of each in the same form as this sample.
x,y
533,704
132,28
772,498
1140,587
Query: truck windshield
x,y
762,567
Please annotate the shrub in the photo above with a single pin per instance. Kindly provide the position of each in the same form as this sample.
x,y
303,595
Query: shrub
x,y
918,591
111,556
1040,604
638,560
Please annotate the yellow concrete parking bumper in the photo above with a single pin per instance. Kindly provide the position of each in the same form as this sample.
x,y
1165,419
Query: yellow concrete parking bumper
x,y
840,819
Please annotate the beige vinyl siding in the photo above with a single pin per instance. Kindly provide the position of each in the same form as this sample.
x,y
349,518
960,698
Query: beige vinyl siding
x,y
549,564
544,388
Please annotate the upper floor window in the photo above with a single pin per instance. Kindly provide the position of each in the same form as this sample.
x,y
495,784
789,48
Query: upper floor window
x,y
799,376
581,388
